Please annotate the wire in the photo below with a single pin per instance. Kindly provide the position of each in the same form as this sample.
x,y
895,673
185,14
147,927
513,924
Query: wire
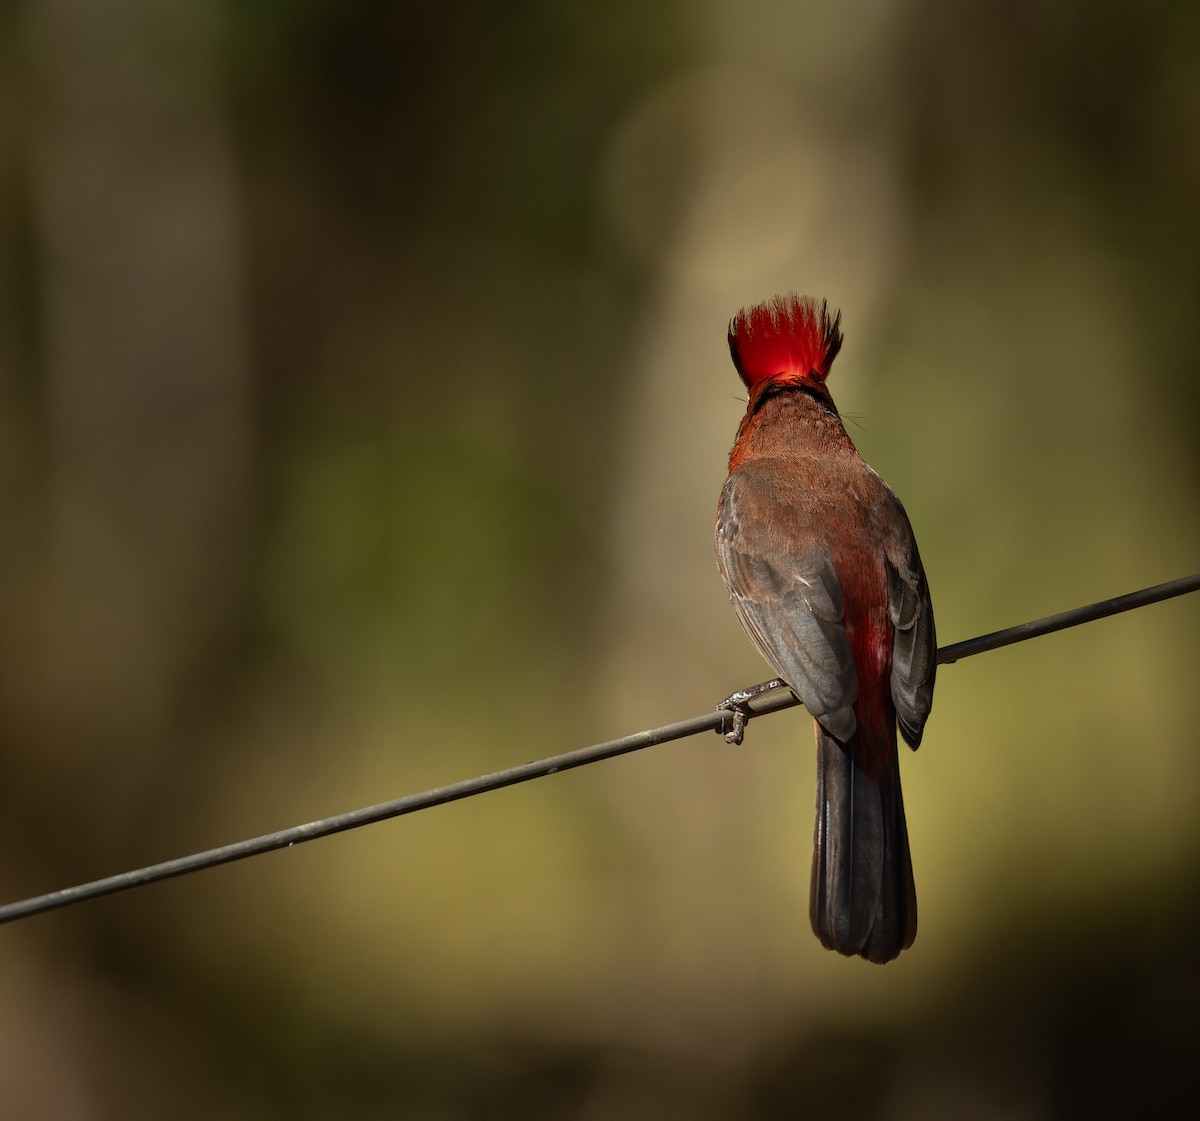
x,y
712,721
948,655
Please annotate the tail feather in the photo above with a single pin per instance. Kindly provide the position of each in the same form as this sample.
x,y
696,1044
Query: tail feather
x,y
863,901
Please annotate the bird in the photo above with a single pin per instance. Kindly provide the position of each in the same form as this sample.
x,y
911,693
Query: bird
x,y
821,566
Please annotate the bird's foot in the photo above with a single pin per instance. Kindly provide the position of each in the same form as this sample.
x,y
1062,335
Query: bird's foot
x,y
739,708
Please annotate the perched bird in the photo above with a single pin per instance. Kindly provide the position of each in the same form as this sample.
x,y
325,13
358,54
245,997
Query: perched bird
x,y
823,573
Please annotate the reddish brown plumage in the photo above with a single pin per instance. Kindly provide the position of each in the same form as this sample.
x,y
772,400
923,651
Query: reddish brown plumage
x,y
869,629
824,575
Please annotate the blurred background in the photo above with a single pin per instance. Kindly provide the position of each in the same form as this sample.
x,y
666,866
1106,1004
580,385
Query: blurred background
x,y
364,403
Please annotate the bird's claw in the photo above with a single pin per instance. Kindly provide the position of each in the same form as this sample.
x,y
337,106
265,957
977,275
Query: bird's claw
x,y
739,708
735,729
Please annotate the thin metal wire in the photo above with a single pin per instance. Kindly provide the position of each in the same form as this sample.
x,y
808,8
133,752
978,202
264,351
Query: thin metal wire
x,y
712,721
948,655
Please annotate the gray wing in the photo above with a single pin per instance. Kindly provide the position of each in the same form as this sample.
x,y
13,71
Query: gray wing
x,y
914,650
789,602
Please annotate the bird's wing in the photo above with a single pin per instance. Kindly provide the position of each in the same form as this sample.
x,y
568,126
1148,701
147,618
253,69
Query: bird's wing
x,y
789,603
914,648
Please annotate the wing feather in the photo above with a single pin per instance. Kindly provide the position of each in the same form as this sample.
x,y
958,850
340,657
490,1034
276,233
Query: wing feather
x,y
914,649
791,607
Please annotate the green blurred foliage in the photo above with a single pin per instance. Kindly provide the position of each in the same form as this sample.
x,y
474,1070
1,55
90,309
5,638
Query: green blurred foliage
x,y
363,408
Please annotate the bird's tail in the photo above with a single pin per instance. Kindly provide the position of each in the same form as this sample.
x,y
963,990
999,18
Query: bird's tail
x,y
863,899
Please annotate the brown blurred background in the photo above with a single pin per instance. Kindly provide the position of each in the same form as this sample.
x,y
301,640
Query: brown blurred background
x,y
363,407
